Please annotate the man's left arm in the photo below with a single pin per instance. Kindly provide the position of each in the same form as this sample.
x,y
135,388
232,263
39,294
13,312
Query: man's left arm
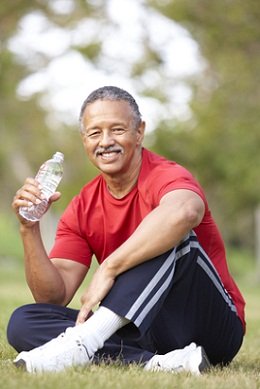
x,y
163,228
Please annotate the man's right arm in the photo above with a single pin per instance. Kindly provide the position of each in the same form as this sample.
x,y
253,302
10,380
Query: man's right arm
x,y
50,281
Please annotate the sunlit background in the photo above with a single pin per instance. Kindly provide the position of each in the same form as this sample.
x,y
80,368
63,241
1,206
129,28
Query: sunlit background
x,y
193,67
69,76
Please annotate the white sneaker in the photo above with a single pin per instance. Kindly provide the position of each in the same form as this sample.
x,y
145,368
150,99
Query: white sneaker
x,y
56,355
191,359
197,361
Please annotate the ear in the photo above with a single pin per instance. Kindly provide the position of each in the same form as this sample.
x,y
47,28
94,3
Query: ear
x,y
140,133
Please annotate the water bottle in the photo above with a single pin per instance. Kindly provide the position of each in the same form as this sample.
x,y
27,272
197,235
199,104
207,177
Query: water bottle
x,y
49,176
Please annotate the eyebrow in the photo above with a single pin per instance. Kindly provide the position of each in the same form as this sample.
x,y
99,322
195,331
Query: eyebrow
x,y
97,127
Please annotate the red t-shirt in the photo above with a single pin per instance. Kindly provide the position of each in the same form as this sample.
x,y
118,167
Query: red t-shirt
x,y
96,223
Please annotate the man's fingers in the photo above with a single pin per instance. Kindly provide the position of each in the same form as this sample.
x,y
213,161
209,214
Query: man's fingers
x,y
78,321
82,316
56,196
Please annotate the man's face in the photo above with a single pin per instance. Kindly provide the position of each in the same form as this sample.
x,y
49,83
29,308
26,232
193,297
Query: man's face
x,y
110,139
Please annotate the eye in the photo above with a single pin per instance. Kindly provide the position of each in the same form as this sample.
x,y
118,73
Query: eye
x,y
93,134
118,130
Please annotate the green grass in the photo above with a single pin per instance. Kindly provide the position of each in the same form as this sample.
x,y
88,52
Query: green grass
x,y
244,372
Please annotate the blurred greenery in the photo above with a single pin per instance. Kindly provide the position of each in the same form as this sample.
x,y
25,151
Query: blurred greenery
x,y
219,142
10,243
28,138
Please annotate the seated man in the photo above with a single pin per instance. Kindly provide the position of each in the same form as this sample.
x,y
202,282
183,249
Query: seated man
x,y
164,293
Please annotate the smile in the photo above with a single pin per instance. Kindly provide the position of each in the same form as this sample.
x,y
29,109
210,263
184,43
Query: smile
x,y
108,154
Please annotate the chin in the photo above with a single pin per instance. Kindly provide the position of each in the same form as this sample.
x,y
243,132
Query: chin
x,y
108,169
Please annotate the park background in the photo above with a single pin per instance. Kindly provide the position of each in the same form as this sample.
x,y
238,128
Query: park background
x,y
193,67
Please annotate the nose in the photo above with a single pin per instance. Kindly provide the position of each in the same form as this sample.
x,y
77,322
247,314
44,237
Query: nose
x,y
106,139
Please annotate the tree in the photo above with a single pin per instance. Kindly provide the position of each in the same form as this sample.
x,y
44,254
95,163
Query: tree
x,y
220,142
26,136
29,135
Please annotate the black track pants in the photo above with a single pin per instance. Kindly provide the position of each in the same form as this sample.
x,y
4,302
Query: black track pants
x,y
171,300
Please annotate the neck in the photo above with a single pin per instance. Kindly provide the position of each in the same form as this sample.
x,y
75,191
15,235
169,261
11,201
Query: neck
x,y
121,184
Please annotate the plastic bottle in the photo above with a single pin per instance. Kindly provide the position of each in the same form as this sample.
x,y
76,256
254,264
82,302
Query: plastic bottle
x,y
49,176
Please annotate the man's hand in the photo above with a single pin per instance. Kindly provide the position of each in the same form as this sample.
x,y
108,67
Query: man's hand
x,y
28,194
100,285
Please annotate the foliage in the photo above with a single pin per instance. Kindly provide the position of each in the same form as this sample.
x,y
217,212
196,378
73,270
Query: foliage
x,y
28,138
31,134
220,143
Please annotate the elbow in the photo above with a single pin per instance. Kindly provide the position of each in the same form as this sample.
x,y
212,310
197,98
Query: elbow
x,y
46,300
192,216
50,298
185,208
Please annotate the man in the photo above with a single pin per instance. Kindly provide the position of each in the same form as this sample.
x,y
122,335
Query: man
x,y
164,294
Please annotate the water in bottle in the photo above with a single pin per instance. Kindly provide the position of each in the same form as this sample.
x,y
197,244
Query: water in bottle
x,y
49,176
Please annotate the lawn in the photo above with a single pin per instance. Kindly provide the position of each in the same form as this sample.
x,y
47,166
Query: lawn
x,y
244,372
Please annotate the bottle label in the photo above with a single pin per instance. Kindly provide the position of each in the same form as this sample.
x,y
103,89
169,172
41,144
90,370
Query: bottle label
x,y
49,179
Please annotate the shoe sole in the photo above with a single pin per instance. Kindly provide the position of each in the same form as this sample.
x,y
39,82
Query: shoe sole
x,y
20,364
205,365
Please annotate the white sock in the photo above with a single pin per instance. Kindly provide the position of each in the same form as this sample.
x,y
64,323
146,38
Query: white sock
x,y
99,327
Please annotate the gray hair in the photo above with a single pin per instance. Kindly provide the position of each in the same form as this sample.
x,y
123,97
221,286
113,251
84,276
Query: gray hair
x,y
111,93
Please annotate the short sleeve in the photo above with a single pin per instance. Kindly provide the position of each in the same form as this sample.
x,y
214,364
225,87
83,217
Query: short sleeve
x,y
172,177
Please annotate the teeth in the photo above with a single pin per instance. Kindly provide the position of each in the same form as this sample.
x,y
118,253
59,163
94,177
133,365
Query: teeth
x,y
109,154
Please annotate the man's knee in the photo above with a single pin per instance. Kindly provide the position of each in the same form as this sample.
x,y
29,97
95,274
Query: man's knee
x,y
35,324
18,328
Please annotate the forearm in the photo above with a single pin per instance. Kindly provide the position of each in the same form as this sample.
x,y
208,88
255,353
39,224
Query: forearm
x,y
162,229
157,233
44,280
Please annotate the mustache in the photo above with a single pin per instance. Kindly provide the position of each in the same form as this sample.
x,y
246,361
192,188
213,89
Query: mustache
x,y
110,149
